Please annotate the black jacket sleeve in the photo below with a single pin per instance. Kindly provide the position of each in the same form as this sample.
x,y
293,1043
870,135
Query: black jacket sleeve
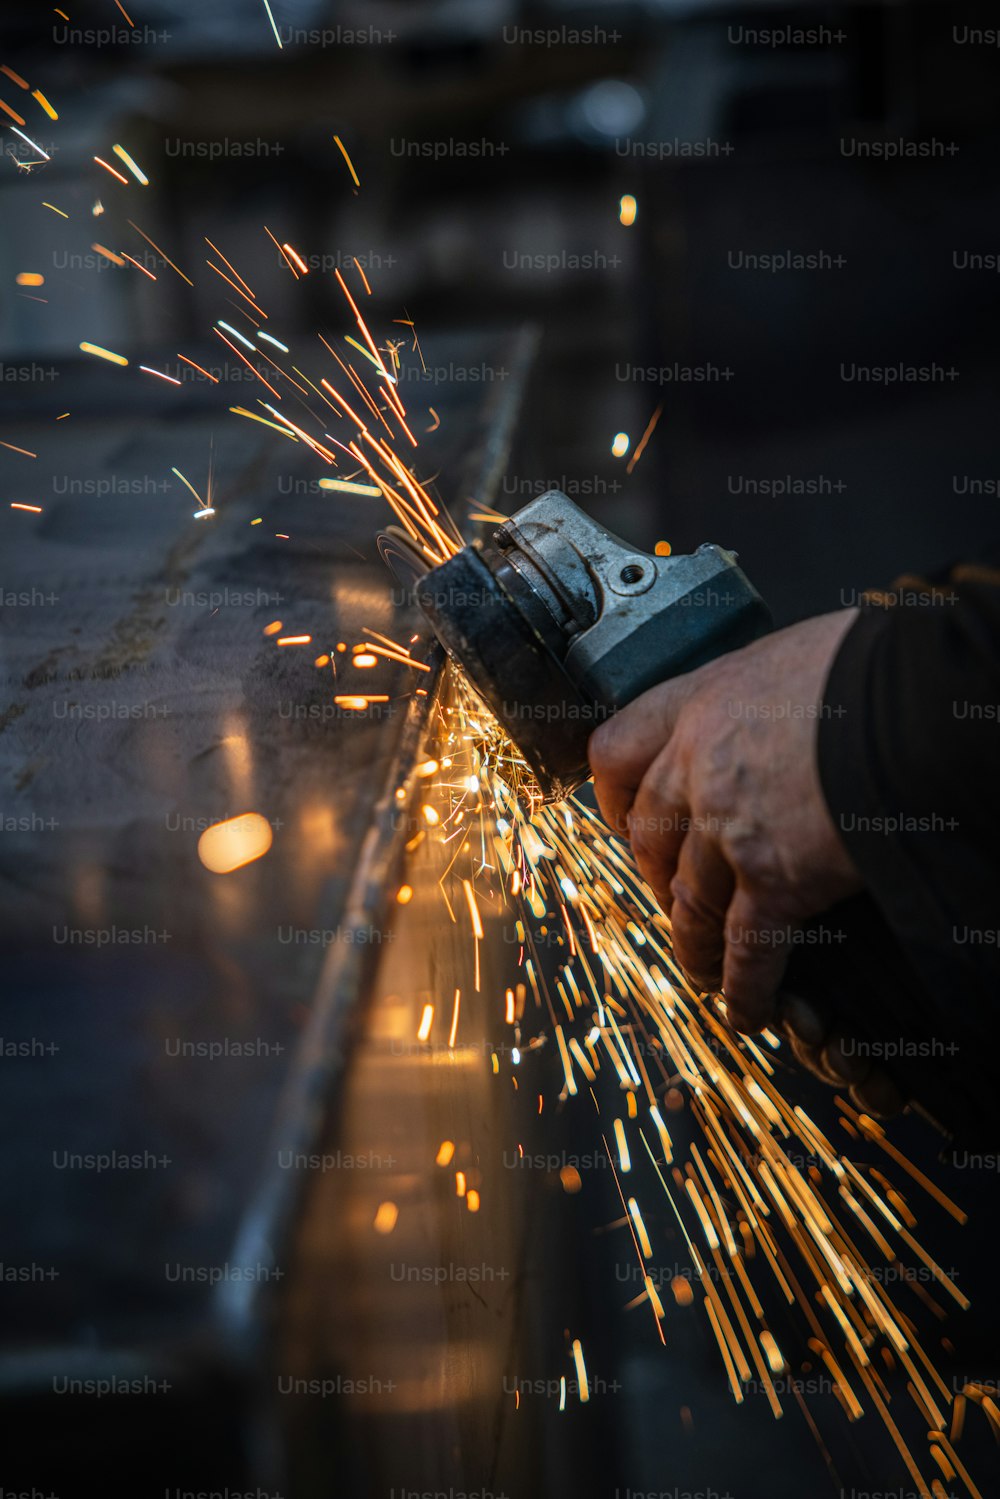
x,y
909,761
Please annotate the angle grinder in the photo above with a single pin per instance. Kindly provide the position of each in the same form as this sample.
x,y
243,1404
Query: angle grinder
x,y
558,623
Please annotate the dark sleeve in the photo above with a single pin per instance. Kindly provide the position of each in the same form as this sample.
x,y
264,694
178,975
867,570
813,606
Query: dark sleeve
x,y
909,761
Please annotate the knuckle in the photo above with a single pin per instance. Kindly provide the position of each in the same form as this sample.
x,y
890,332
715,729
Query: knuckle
x,y
605,748
648,820
690,907
647,848
754,856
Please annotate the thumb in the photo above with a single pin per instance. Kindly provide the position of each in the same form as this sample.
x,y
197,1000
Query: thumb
x,y
623,748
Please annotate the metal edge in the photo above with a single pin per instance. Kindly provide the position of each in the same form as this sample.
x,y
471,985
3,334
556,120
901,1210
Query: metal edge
x,y
325,1045
323,1052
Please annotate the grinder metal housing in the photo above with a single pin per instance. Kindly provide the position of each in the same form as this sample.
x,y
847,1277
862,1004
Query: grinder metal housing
x,y
558,623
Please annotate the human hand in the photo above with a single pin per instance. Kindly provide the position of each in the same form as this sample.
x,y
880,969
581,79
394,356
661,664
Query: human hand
x,y
713,778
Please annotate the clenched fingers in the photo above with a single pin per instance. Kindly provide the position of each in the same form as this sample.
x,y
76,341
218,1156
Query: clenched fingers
x,y
621,750
701,892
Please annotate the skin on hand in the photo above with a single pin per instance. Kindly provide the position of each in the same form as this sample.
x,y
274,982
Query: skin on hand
x,y
713,778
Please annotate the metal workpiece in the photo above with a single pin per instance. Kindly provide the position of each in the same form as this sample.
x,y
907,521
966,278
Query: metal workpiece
x,y
558,623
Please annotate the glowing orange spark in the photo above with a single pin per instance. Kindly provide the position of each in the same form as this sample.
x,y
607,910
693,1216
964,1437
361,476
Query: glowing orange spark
x,y
198,368
350,164
296,257
281,250
108,254
249,366
161,253
108,168
245,295
650,429
37,94
138,266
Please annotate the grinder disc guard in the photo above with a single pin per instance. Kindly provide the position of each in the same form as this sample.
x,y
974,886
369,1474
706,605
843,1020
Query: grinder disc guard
x,y
557,624
519,678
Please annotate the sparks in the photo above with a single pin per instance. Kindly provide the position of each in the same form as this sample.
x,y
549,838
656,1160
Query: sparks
x,y
40,98
202,372
162,254
641,446
33,144
236,334
294,256
108,254
357,703
108,168
189,485
133,167
348,486
583,1387
350,165
270,17
170,379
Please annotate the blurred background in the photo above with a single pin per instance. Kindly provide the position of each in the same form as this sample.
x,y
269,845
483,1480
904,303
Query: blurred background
x,y
496,143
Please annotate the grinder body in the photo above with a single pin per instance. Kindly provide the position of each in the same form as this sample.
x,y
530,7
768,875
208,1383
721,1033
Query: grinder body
x,y
558,624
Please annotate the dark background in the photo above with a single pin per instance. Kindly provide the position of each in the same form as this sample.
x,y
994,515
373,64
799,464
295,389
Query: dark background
x,y
557,128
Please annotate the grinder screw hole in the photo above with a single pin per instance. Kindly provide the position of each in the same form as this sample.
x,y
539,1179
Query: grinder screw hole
x,y
632,573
